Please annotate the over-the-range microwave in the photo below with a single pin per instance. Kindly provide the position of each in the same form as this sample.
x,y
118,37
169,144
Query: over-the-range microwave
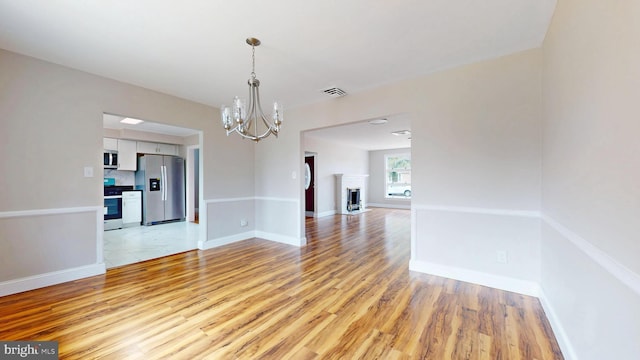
x,y
110,159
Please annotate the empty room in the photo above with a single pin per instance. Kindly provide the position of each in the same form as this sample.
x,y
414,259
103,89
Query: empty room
x,y
328,180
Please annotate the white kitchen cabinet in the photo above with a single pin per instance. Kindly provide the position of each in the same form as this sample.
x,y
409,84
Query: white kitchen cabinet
x,y
131,208
167,149
157,148
110,144
147,147
127,152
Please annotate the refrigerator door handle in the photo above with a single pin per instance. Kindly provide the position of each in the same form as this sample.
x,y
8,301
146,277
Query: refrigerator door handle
x,y
163,174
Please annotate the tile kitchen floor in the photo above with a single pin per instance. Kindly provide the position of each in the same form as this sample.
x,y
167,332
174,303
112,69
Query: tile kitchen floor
x,y
135,244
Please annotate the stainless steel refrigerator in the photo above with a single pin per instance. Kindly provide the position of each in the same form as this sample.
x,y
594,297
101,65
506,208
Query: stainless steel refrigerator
x,y
161,179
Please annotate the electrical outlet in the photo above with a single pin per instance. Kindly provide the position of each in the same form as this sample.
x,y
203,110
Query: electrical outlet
x,y
244,222
88,171
501,257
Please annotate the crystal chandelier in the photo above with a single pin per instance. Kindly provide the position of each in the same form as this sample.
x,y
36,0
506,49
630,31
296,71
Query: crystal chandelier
x,y
246,123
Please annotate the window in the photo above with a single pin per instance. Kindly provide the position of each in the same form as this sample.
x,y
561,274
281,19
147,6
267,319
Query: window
x,y
398,184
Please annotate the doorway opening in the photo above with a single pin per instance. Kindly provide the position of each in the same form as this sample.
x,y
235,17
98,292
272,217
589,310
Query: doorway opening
x,y
309,184
136,240
355,149
193,184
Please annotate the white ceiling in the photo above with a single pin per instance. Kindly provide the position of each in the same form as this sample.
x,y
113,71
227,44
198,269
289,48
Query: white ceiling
x,y
366,136
195,49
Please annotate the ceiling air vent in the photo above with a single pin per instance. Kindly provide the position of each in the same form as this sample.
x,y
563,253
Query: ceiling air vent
x,y
334,92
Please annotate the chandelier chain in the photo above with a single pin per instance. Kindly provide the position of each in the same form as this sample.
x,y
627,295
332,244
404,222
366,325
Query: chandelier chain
x,y
253,61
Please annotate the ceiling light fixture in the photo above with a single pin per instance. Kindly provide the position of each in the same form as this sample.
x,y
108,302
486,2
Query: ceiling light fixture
x,y
401,132
131,121
246,123
378,121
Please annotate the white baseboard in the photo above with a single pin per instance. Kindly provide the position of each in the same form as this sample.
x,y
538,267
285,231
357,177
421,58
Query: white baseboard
x,y
289,240
389,206
524,287
319,215
213,243
558,330
52,278
326,213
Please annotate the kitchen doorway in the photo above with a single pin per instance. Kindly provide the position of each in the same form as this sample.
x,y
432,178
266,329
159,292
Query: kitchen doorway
x,y
193,179
136,242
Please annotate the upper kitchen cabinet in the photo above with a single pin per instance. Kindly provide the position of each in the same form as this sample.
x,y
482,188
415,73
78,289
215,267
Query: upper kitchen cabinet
x,y
127,155
110,144
126,152
157,148
168,149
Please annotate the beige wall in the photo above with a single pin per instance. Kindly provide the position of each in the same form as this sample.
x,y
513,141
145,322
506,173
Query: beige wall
x,y
51,128
476,172
475,148
52,113
591,176
68,242
591,142
479,135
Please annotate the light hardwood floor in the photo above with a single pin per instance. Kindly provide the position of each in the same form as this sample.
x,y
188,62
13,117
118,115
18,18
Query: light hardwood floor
x,y
348,294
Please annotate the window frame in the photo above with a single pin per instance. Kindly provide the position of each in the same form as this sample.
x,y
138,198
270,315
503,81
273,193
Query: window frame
x,y
387,176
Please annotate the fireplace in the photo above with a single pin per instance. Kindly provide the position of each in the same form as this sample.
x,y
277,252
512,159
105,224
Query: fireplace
x,y
351,194
353,199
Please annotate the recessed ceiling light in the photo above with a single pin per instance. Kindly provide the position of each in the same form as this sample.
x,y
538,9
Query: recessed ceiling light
x,y
401,132
131,121
378,121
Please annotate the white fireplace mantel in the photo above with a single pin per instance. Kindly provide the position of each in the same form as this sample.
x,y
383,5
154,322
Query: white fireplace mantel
x,y
349,181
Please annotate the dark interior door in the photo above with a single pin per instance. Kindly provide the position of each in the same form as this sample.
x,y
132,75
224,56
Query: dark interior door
x,y
309,190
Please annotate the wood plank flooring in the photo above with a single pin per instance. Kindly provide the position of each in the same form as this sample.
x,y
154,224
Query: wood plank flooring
x,y
348,294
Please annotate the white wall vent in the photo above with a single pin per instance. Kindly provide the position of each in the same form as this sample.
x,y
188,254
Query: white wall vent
x,y
334,92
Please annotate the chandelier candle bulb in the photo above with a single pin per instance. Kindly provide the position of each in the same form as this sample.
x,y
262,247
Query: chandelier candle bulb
x,y
254,117
277,113
226,117
239,109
